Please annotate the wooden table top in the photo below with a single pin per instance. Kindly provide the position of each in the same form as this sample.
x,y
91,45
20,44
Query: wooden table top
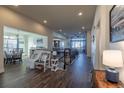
x,y
101,82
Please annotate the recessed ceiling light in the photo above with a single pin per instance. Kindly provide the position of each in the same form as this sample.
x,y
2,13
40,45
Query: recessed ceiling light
x,y
83,27
80,14
44,21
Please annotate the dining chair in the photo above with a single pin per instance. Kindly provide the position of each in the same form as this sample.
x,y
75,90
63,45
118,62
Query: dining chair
x,y
17,55
30,62
44,60
7,57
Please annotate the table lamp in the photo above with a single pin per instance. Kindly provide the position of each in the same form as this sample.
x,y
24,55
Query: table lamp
x,y
113,60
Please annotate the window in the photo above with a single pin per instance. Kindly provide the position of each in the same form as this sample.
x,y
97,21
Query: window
x,y
10,42
16,38
78,43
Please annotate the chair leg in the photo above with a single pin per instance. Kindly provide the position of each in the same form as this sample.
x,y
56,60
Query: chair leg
x,y
6,61
21,60
44,66
11,61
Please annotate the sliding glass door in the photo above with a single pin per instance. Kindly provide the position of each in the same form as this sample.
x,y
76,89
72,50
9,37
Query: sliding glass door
x,y
16,39
78,43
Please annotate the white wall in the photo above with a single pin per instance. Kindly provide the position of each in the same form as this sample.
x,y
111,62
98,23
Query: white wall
x,y
15,20
103,36
100,30
94,39
1,50
88,44
108,44
118,46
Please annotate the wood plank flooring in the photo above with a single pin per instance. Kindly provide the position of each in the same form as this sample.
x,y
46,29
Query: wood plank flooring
x,y
76,76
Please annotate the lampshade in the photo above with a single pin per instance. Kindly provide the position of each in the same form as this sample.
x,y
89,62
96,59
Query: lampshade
x,y
112,58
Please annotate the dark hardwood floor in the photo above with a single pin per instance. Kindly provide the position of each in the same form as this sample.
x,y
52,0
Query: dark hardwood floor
x,y
76,76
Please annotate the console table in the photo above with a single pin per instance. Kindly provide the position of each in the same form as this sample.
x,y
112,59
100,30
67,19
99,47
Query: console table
x,y
100,82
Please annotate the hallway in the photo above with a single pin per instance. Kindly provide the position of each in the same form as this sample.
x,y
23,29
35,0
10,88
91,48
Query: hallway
x,y
77,75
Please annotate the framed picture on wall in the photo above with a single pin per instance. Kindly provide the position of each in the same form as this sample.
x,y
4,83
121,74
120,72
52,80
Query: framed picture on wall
x,y
117,23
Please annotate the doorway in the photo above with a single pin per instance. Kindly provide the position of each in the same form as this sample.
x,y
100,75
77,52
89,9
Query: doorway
x,y
79,43
15,40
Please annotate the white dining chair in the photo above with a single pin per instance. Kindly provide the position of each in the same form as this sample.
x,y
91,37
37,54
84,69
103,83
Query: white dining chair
x,y
30,62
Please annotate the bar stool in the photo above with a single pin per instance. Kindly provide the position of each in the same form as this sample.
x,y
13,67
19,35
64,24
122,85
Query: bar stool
x,y
54,64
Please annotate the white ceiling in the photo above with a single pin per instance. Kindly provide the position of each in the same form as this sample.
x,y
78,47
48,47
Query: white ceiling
x,y
63,17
